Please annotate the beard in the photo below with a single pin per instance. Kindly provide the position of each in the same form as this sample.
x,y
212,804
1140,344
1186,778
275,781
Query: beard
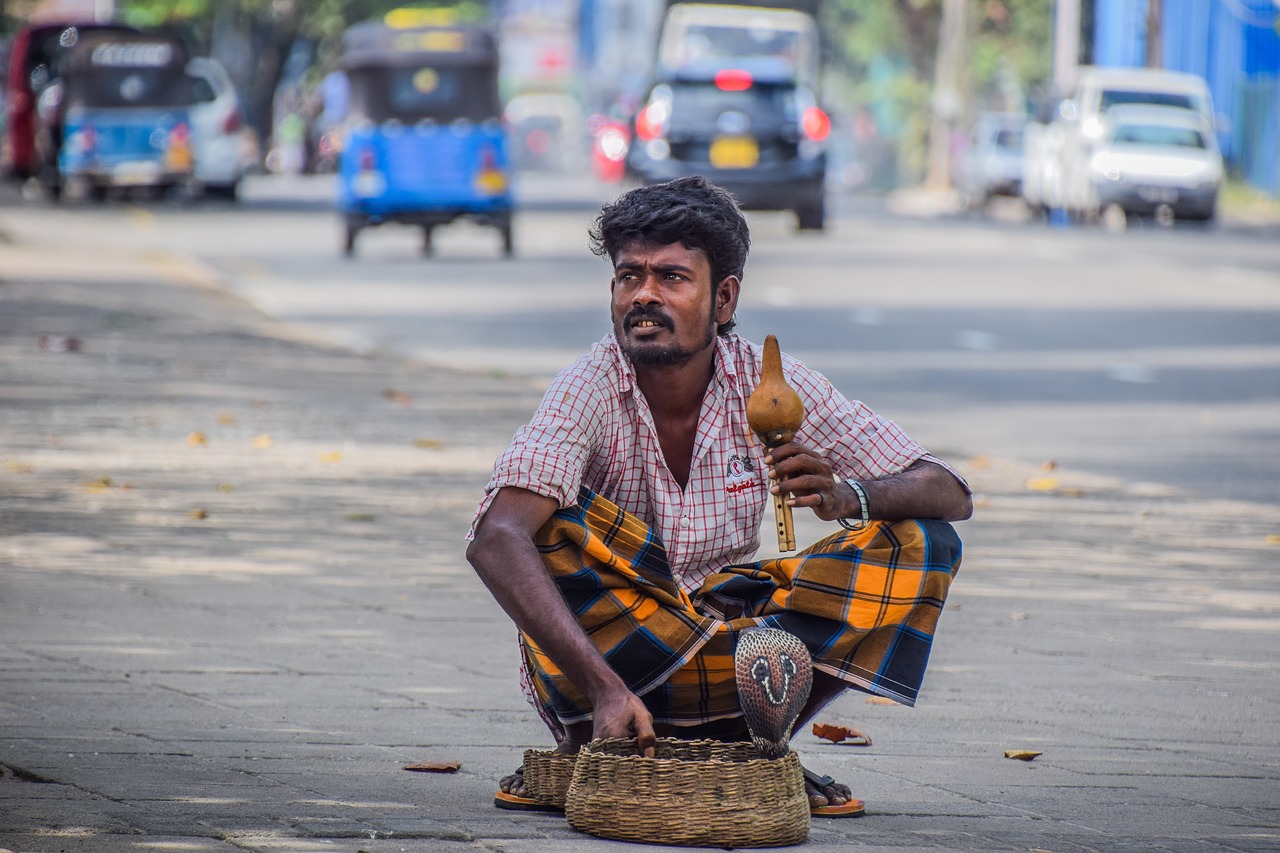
x,y
645,353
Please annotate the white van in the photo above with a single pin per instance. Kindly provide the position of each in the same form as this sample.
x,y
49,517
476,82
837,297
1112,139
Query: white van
x,y
698,37
1056,168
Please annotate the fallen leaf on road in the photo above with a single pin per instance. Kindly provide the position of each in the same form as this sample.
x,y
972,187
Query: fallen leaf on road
x,y
99,485
1072,492
197,439
1042,484
226,487
1273,539
428,443
1021,754
262,442
880,700
434,766
398,397
335,456
361,516
979,463
1049,466
226,418
1018,616
198,514
837,734
56,343
19,467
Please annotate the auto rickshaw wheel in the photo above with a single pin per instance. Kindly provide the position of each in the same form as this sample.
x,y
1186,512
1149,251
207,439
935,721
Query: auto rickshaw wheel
x,y
349,242
508,239
427,248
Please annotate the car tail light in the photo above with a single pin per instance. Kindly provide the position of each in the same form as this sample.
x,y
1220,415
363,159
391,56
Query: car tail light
x,y
651,122
733,80
231,124
816,124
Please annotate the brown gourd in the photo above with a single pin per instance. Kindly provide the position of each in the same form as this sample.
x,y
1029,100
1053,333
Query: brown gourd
x,y
774,410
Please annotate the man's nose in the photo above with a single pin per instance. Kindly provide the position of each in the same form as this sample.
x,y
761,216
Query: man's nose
x,y
648,292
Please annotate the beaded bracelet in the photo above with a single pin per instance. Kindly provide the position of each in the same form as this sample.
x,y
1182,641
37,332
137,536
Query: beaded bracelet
x,y
863,505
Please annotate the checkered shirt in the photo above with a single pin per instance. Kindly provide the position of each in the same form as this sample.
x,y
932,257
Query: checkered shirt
x,y
594,428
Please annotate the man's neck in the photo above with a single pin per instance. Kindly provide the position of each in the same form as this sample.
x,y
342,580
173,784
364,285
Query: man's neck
x,y
677,391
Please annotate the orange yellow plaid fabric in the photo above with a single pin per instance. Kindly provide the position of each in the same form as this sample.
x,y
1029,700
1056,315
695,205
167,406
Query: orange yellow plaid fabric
x,y
866,605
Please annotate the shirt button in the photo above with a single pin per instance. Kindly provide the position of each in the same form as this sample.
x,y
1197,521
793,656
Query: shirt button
x,y
684,522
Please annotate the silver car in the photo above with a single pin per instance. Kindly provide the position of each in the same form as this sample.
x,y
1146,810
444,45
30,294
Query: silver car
x,y
222,144
1156,161
992,164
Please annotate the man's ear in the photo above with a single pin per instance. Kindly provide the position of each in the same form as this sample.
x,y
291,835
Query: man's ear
x,y
727,298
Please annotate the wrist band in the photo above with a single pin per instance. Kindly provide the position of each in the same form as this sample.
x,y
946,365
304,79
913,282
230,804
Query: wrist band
x,y
863,505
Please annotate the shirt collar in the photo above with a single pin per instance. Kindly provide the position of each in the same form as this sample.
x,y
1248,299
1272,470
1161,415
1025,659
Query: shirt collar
x,y
724,373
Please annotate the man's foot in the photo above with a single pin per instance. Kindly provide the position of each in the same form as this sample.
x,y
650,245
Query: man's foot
x,y
829,798
514,794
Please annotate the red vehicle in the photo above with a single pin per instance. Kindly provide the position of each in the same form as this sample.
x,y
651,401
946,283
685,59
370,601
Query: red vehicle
x,y
35,59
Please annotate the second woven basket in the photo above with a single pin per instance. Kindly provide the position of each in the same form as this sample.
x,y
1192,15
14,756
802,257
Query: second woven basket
x,y
701,793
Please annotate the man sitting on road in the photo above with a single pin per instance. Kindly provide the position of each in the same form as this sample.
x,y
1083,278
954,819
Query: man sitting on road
x,y
617,530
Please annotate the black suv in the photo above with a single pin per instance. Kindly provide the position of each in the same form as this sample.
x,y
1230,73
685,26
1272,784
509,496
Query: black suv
x,y
763,138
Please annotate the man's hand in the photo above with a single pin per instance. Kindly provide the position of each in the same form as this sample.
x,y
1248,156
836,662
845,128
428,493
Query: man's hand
x,y
622,714
922,490
799,471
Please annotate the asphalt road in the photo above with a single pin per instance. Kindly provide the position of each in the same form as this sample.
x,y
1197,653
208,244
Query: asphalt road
x,y
1152,355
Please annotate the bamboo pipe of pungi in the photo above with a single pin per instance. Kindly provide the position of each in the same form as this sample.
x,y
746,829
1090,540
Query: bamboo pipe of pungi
x,y
774,413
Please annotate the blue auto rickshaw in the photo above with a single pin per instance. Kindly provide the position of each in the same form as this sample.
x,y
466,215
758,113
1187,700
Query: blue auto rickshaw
x,y
424,143
123,114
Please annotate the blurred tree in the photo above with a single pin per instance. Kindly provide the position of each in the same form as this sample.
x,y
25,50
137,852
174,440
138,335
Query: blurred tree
x,y
882,57
265,43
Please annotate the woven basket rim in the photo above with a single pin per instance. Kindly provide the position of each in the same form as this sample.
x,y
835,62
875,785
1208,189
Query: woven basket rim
x,y
596,748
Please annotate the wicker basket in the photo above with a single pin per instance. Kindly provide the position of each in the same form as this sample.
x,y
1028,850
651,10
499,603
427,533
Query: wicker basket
x,y
547,775
702,793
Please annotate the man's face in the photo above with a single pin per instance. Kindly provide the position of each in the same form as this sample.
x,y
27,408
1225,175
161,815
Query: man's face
x,y
663,309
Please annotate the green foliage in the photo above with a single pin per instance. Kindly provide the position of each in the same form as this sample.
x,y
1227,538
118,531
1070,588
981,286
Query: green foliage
x,y
883,57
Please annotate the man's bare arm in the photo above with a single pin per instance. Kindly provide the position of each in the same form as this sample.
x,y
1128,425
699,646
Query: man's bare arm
x,y
923,490
505,557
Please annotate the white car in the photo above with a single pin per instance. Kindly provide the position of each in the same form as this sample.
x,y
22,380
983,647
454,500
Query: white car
x,y
222,144
992,164
1156,161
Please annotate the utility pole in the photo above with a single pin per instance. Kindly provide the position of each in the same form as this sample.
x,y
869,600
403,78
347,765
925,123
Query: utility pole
x,y
1066,45
946,92
1155,59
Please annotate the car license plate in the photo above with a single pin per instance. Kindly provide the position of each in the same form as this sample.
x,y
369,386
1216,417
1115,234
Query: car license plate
x,y
734,152
136,173
1158,195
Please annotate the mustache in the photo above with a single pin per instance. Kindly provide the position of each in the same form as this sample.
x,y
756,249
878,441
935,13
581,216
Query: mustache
x,y
646,312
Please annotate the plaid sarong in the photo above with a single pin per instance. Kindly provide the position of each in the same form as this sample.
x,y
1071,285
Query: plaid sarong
x,y
865,604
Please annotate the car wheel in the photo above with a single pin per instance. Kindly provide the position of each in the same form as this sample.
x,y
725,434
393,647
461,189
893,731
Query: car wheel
x,y
811,212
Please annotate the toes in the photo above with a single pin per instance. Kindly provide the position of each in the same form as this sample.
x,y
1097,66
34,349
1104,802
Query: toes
x,y
513,784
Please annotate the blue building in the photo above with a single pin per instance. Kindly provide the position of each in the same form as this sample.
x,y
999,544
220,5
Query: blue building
x,y
1234,45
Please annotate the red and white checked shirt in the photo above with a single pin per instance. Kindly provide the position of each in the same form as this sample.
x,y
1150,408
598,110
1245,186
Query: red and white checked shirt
x,y
594,428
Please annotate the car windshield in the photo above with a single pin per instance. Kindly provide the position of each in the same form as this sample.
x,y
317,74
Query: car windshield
x,y
704,102
1120,97
1009,139
425,92
1158,135
131,87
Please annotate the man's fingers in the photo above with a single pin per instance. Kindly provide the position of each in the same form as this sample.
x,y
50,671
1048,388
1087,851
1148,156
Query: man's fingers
x,y
645,737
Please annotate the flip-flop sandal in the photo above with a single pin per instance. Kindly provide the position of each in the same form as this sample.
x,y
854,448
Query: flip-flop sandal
x,y
512,802
852,808
774,674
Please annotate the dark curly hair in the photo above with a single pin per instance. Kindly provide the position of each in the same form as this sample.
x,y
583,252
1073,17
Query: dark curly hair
x,y
691,211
